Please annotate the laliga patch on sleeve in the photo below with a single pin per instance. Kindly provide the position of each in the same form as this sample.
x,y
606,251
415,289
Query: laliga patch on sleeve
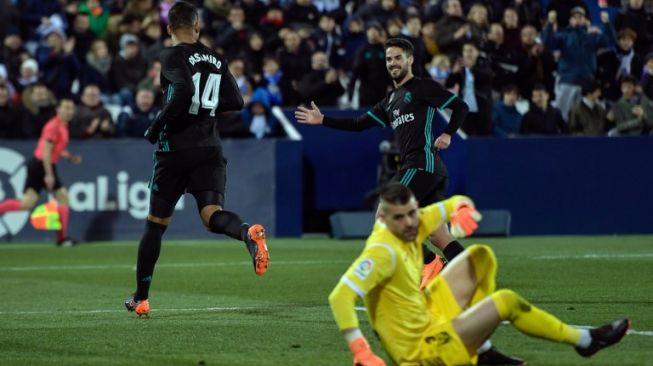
x,y
364,268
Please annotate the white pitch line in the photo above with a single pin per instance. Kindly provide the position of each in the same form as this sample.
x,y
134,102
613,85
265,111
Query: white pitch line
x,y
646,333
165,265
596,256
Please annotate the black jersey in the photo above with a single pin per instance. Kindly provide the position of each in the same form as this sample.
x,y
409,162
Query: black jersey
x,y
196,85
410,111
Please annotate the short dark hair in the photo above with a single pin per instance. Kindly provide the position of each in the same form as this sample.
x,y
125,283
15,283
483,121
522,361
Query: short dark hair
x,y
509,89
629,79
182,15
589,87
64,99
395,193
404,44
540,87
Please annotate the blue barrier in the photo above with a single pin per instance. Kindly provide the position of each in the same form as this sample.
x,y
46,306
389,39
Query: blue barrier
x,y
109,194
564,185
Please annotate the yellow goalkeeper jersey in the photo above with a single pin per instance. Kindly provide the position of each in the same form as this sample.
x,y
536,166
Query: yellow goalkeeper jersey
x,y
387,275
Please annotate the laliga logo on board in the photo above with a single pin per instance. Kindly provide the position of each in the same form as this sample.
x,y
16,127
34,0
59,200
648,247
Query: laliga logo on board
x,y
12,175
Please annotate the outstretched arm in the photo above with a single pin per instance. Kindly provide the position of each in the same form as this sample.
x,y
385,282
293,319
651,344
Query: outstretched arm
x,y
313,116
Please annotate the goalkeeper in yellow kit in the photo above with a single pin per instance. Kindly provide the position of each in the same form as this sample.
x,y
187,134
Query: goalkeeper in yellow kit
x,y
447,322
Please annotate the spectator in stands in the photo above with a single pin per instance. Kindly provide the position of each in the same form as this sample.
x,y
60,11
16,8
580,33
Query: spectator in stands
x,y
128,68
35,13
327,38
96,69
295,61
11,116
98,16
478,19
91,119
130,23
13,53
153,43
302,14
637,18
453,30
214,14
369,67
506,120
413,33
135,119
612,65
253,55
511,30
152,81
4,80
321,85
40,105
578,45
504,60
440,68
536,63
232,38
633,113
588,116
542,118
254,11
271,25
8,17
256,115
353,38
272,80
29,75
563,10
59,65
82,35
380,11
530,12
237,69
471,78
647,76
394,26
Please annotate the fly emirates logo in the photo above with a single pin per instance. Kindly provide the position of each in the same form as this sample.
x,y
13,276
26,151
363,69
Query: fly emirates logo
x,y
400,119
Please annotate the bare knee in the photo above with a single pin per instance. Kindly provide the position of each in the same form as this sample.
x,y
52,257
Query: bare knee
x,y
159,220
206,212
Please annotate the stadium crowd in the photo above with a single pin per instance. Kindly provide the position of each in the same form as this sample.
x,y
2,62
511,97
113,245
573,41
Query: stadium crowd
x,y
523,68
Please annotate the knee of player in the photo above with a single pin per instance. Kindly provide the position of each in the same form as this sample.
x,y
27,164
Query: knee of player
x,y
509,304
482,255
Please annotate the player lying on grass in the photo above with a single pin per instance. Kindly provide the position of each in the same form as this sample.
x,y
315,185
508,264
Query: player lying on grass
x,y
458,310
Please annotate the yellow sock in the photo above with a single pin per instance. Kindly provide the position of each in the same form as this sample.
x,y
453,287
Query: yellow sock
x,y
485,269
533,321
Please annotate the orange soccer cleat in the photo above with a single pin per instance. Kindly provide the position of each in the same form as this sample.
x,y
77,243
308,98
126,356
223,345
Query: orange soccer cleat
x,y
258,248
141,307
430,270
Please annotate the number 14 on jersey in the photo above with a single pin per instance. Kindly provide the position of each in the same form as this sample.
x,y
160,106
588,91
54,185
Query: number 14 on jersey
x,y
210,94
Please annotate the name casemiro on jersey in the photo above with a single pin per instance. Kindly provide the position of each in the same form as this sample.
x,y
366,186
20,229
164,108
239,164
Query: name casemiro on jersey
x,y
196,57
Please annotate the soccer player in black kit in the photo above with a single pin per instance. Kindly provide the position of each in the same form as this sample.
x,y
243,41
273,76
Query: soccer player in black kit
x,y
196,85
410,111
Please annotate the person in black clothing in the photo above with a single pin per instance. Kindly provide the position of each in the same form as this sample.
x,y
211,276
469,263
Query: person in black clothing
x,y
369,68
322,83
542,119
189,154
410,111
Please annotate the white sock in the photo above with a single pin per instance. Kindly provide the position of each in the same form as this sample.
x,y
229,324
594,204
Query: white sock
x,y
585,338
484,347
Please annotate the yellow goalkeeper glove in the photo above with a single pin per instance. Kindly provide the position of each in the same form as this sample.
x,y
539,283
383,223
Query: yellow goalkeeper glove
x,y
363,355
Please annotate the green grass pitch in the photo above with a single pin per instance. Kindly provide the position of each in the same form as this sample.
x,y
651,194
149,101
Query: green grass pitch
x,y
64,306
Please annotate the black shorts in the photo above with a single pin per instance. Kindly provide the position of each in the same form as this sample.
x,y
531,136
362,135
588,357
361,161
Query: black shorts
x,y
427,187
36,174
192,170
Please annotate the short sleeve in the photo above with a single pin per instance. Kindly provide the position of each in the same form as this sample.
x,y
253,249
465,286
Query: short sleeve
x,y
435,94
375,265
50,133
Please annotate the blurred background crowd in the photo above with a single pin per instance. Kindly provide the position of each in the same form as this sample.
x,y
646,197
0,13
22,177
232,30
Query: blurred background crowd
x,y
524,67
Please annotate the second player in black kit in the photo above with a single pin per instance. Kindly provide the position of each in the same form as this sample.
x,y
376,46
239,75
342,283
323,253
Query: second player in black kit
x,y
410,110
197,86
